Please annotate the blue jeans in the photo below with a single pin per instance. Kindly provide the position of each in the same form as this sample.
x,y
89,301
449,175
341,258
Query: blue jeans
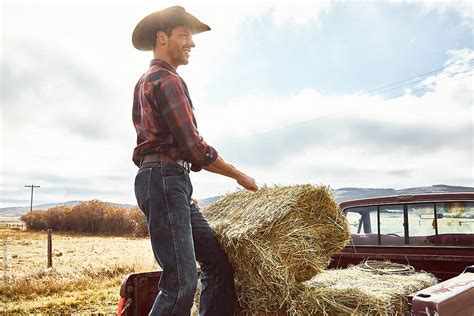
x,y
180,236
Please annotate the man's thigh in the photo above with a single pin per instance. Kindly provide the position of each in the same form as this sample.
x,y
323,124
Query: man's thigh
x,y
206,246
168,216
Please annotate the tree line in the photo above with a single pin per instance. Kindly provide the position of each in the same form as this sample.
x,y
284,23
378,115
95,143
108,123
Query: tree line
x,y
93,217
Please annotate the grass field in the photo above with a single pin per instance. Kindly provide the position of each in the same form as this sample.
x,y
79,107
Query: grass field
x,y
86,274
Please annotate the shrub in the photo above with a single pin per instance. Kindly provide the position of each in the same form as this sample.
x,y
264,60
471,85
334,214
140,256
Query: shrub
x,y
93,217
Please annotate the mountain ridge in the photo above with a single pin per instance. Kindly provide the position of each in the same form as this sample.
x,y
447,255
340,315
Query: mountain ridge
x,y
340,195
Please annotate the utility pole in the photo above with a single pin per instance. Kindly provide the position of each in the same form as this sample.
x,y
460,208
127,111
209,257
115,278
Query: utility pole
x,y
32,187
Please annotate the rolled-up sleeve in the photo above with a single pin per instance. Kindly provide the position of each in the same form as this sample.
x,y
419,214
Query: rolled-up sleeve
x,y
177,113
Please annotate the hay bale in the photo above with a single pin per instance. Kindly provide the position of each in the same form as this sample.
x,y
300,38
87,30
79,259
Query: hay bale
x,y
353,291
276,238
197,298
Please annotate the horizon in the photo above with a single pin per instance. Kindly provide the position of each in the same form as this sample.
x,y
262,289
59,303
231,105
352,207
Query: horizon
x,y
216,196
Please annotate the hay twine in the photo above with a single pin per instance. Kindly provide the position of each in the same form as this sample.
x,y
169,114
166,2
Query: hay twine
x,y
385,267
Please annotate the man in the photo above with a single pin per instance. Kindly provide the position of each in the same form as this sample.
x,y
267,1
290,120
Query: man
x,y
168,146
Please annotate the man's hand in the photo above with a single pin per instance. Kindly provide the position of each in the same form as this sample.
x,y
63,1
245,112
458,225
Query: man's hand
x,y
247,182
195,201
221,167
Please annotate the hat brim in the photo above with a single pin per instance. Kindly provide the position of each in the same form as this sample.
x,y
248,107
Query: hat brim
x,y
144,33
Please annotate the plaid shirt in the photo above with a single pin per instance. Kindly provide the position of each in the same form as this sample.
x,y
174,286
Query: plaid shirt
x,y
164,120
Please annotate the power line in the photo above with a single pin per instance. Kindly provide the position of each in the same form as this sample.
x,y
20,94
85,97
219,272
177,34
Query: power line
x,y
424,88
408,84
390,98
418,76
271,131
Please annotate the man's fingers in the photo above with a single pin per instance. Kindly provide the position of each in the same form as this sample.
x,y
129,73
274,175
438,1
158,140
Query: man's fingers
x,y
248,183
252,186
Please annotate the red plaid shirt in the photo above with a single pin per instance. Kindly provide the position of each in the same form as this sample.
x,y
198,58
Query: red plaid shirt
x,y
164,120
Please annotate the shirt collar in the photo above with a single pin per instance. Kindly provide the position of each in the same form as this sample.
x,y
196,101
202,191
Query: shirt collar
x,y
163,64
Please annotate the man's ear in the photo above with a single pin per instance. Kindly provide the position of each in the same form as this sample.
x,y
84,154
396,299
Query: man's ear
x,y
161,37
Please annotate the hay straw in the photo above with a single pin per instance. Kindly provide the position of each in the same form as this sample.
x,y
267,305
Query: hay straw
x,y
353,291
276,238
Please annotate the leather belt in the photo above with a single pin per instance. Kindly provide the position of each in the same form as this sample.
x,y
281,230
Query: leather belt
x,y
160,157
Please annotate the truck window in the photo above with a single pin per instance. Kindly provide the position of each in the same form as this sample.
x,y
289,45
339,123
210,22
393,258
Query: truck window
x,y
392,230
421,223
455,223
363,225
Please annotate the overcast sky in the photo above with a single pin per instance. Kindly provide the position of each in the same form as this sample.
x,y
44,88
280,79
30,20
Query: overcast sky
x,y
289,92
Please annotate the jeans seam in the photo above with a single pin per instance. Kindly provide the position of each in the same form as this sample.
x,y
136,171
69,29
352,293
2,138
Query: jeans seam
x,y
148,193
148,188
178,270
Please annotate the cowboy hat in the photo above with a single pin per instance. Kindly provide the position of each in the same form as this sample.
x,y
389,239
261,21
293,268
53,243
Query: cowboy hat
x,y
145,31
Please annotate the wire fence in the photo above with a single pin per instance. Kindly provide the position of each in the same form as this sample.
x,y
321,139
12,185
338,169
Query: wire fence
x,y
15,225
58,244
44,257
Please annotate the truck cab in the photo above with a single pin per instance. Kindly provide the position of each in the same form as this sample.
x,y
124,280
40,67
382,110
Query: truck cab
x,y
431,232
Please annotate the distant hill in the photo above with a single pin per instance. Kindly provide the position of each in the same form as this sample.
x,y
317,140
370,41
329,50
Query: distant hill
x,y
345,194
341,195
205,202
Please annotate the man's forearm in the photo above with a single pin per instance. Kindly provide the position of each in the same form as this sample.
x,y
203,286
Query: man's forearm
x,y
221,167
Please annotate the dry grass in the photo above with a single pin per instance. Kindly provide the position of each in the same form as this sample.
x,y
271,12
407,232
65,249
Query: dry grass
x,y
81,264
275,238
101,298
353,291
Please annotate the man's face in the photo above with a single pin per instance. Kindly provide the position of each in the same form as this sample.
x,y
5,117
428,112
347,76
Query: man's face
x,y
179,45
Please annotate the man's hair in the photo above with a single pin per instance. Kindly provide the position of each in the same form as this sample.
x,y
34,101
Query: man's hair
x,y
166,30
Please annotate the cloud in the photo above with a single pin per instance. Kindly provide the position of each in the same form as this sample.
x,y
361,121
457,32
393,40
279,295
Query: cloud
x,y
462,8
62,126
344,139
300,12
264,149
230,19
450,89
64,186
41,87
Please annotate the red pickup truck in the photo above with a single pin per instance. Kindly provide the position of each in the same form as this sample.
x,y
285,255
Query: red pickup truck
x,y
431,232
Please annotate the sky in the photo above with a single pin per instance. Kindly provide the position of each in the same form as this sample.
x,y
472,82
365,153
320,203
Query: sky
x,y
337,93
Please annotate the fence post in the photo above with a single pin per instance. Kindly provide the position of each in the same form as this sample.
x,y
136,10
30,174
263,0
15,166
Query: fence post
x,y
50,246
6,268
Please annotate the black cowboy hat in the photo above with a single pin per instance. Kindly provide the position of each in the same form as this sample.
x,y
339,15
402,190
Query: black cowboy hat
x,y
145,31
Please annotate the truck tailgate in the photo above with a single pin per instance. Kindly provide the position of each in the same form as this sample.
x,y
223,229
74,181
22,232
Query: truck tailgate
x,y
139,291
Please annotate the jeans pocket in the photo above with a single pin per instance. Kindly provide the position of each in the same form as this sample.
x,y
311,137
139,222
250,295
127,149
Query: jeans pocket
x,y
142,187
172,170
